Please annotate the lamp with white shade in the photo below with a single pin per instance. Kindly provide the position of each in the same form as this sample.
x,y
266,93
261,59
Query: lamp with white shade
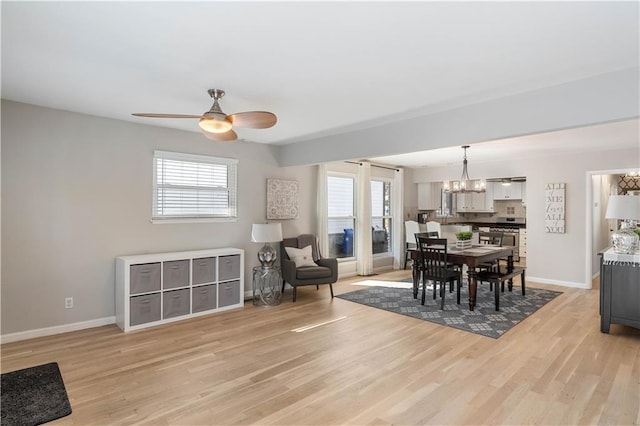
x,y
266,233
627,209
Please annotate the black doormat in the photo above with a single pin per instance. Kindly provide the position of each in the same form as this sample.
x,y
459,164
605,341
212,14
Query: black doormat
x,y
33,396
484,319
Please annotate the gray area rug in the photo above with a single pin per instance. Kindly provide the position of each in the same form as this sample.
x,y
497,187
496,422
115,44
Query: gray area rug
x,y
484,320
33,396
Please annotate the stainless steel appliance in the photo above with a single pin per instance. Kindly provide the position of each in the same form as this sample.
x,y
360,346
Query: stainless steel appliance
x,y
510,227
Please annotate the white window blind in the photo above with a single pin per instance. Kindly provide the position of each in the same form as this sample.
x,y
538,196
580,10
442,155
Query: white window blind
x,y
189,186
340,203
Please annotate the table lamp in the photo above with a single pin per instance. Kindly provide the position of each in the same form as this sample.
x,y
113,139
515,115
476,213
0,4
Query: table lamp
x,y
266,233
626,208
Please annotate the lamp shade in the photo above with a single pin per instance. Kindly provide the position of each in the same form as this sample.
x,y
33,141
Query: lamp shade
x,y
623,207
266,232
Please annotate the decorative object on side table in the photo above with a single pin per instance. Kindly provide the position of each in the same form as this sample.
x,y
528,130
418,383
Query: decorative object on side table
x,y
267,277
266,233
626,208
463,239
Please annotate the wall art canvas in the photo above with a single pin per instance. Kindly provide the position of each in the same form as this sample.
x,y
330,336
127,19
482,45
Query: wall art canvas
x,y
282,199
554,220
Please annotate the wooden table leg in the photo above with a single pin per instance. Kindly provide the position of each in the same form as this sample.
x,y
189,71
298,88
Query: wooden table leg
x,y
473,287
416,278
510,269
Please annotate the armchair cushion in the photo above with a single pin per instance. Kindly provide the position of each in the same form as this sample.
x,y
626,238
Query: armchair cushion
x,y
301,257
313,272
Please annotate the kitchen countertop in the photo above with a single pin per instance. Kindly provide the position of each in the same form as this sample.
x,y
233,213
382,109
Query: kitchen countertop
x,y
493,224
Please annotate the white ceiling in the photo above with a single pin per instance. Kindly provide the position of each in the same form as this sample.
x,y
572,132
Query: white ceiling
x,y
321,67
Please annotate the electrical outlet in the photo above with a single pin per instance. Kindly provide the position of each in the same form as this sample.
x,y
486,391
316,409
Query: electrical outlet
x,y
68,302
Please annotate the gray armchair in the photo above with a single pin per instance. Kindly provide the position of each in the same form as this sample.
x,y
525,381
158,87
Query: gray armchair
x,y
324,272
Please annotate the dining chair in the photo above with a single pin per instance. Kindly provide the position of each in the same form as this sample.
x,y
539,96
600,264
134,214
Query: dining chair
x,y
411,228
490,238
433,226
436,234
435,267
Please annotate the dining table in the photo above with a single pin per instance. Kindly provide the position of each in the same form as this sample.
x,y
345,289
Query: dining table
x,y
473,257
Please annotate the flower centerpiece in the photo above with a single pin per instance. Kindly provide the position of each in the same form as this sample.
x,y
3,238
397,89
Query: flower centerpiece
x,y
463,239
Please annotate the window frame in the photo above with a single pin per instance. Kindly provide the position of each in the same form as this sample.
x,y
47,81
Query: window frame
x,y
231,187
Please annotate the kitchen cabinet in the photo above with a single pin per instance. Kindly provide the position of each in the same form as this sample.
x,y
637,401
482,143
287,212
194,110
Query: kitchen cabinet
x,y
510,192
523,242
429,196
475,202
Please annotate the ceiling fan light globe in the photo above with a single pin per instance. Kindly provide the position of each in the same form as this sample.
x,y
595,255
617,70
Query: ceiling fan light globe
x,y
210,124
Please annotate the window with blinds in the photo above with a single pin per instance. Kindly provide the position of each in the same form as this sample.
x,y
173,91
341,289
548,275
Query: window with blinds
x,y
189,186
341,215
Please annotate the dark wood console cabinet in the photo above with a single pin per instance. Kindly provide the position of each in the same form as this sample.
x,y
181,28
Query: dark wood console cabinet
x,y
619,290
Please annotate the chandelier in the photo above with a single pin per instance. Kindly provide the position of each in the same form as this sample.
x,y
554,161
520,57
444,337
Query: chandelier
x,y
464,184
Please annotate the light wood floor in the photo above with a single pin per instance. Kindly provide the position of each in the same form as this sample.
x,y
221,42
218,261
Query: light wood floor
x,y
373,367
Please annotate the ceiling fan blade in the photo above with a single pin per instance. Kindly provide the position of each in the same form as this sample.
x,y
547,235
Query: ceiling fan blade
x,y
221,137
253,119
152,115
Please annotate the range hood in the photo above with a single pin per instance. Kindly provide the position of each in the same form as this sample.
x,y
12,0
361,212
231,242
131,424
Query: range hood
x,y
508,180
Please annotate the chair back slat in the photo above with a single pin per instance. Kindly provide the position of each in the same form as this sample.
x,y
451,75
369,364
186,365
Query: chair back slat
x,y
430,234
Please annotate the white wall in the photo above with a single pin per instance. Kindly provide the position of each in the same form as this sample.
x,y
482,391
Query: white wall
x,y
553,258
77,193
601,240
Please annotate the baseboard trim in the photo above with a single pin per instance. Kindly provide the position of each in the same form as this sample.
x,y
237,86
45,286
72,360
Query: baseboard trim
x,y
557,282
49,331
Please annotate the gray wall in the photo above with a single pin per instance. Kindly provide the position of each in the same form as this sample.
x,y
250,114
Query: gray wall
x,y
77,193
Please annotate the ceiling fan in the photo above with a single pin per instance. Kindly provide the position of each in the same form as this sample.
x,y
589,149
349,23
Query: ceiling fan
x,y
217,125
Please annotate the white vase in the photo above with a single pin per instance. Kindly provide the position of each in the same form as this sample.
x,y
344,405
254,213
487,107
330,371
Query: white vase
x,y
463,244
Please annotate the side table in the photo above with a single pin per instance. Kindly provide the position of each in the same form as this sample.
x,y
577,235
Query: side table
x,y
267,286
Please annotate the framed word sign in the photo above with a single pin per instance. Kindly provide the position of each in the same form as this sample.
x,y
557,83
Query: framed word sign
x,y
554,213
282,199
